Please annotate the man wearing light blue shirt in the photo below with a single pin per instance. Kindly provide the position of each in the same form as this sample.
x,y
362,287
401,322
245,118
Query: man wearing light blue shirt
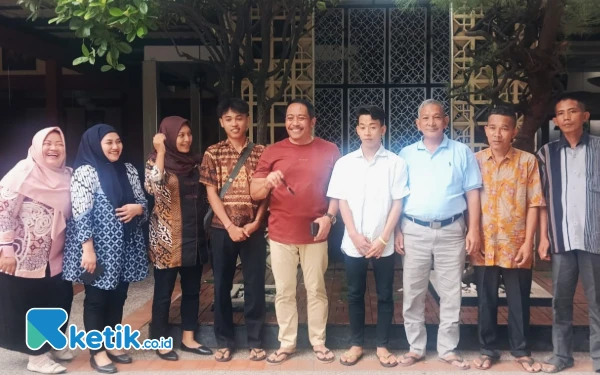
x,y
444,180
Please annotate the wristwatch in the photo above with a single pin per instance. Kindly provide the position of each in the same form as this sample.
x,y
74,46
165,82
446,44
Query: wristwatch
x,y
332,218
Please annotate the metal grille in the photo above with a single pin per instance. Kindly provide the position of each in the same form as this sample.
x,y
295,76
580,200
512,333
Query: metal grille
x,y
403,112
366,47
408,46
329,47
330,116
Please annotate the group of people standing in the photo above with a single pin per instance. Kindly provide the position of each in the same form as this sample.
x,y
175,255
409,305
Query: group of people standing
x,y
436,204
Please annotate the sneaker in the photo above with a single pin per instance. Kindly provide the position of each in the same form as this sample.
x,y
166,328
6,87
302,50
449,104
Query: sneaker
x,y
62,355
46,367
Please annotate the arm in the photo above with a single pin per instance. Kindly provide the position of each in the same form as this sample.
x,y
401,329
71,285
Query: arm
x,y
259,189
10,203
537,193
236,233
154,180
138,192
380,243
83,187
473,240
259,218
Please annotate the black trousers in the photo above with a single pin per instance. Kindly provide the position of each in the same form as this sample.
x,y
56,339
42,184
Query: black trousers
x,y
253,254
103,308
518,288
164,283
356,278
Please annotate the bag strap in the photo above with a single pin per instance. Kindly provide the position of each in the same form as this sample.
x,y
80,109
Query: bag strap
x,y
236,169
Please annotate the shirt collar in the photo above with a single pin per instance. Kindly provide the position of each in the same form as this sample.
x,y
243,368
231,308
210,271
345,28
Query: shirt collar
x,y
380,153
562,142
489,156
444,144
233,148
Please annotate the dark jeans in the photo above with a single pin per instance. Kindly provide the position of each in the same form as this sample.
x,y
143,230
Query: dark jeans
x,y
566,269
253,254
103,308
164,283
356,278
518,288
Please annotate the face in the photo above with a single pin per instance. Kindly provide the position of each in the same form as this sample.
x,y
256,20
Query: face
x,y
234,124
53,150
432,121
298,123
370,131
570,117
112,146
184,139
500,131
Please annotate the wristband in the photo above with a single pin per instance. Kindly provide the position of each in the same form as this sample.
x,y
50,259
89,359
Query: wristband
x,y
230,224
382,241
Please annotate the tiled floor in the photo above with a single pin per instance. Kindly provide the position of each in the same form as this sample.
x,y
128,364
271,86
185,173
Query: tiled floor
x,y
338,304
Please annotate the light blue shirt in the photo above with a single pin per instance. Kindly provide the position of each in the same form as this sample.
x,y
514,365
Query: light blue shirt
x,y
439,181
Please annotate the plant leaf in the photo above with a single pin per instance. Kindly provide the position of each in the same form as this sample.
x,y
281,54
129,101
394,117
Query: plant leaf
x,y
80,60
120,67
143,8
85,50
124,47
115,12
105,68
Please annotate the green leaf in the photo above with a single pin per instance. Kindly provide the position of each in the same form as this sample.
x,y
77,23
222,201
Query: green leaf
x,y
102,49
142,31
105,68
109,59
120,67
124,47
143,8
115,12
79,13
80,60
86,32
85,50
321,6
137,3
56,19
130,37
75,23
123,20
92,60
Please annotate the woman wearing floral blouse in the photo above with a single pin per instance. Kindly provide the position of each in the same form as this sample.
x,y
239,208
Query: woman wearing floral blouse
x,y
109,208
34,208
177,239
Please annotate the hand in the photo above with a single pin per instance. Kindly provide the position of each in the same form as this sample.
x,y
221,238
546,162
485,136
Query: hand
x,y
399,242
236,233
544,248
8,265
324,228
128,212
473,242
274,179
524,254
250,228
88,261
361,243
159,143
376,249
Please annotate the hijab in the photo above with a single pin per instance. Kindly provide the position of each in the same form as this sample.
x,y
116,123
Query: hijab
x,y
178,163
35,179
112,175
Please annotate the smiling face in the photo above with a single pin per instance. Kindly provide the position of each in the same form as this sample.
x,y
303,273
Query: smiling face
x,y
235,124
298,123
500,131
432,122
53,150
112,146
370,131
184,139
570,116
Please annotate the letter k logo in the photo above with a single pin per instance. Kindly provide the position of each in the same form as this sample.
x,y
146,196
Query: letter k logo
x,y
43,325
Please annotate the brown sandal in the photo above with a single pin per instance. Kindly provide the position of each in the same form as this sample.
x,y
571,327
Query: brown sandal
x,y
223,358
387,364
286,355
254,354
460,360
411,360
350,355
324,354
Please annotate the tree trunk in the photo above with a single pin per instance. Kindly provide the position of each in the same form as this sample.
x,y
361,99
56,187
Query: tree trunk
x,y
261,122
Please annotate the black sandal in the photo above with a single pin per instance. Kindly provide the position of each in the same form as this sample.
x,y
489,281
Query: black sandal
x,y
256,357
223,358
277,354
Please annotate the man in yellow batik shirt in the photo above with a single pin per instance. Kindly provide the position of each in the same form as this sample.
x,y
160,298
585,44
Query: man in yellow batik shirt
x,y
510,199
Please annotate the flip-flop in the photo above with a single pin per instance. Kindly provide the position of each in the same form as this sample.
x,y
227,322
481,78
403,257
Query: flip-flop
x,y
558,367
257,357
384,364
325,359
350,363
484,358
277,354
411,360
457,359
530,361
223,358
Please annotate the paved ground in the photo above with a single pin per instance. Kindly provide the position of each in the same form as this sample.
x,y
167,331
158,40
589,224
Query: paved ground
x,y
137,314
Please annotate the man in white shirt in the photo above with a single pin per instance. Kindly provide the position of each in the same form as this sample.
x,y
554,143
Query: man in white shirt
x,y
369,184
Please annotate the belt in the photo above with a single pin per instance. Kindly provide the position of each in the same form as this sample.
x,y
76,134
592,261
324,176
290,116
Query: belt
x,y
434,224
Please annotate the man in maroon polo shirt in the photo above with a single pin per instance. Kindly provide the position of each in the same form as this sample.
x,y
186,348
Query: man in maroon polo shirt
x,y
294,174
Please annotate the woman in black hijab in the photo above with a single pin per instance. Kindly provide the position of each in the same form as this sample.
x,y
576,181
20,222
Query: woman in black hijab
x,y
105,246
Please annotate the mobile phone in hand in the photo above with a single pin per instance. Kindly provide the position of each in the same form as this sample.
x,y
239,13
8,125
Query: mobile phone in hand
x,y
89,278
314,229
